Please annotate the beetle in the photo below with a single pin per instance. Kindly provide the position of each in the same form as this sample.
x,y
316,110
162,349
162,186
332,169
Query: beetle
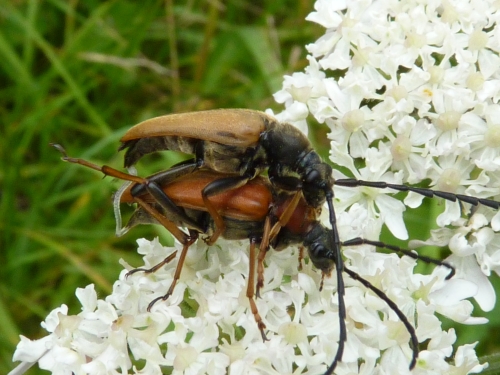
x,y
247,212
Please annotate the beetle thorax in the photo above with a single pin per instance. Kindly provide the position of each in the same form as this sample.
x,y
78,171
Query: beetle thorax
x,y
285,145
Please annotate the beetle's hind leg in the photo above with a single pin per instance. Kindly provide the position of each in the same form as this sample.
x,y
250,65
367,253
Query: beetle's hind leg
x,y
251,289
269,234
156,267
186,240
172,228
263,249
178,270
152,186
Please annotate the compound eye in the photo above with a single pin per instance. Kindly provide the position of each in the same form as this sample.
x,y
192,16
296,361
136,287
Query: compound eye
x,y
317,251
313,176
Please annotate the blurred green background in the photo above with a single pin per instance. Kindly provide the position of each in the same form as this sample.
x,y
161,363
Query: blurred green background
x,y
80,73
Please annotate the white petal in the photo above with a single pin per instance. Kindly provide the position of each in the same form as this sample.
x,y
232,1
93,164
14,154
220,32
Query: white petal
x,y
454,291
468,268
87,297
413,200
495,222
392,213
32,350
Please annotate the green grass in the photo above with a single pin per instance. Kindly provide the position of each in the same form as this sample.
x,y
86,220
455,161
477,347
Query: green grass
x,y
80,73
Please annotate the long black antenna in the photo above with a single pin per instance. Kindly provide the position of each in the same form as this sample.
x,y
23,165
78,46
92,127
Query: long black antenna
x,y
339,264
395,308
429,193
361,241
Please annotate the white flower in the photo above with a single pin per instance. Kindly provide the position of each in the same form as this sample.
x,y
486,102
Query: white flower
x,y
377,202
483,135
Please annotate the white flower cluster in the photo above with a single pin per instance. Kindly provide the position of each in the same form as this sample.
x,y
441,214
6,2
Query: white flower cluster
x,y
409,90
118,336
101,338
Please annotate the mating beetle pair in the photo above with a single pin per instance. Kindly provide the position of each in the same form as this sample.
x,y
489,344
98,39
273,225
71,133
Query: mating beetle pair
x,y
241,144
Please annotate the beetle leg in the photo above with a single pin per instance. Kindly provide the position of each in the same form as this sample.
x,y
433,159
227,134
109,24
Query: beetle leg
x,y
270,233
108,171
171,209
155,268
301,256
164,177
169,225
217,187
190,240
286,215
263,249
251,291
186,240
286,183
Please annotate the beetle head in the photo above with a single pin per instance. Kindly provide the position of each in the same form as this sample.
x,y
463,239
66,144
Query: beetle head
x,y
317,184
320,247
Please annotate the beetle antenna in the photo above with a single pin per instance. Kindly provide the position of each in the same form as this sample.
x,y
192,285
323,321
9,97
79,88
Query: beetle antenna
x,y
339,264
412,254
83,162
429,193
402,317
61,149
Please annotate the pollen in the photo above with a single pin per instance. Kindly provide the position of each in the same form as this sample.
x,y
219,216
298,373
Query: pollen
x,y
449,180
401,148
475,81
448,120
492,136
353,120
478,40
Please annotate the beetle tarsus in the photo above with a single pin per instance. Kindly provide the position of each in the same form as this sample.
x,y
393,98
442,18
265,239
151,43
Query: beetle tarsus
x,y
154,268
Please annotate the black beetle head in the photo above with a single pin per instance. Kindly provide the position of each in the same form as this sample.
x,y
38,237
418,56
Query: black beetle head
x,y
318,184
320,247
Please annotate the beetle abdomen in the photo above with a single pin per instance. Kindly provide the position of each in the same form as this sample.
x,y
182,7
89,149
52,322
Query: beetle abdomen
x,y
137,148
